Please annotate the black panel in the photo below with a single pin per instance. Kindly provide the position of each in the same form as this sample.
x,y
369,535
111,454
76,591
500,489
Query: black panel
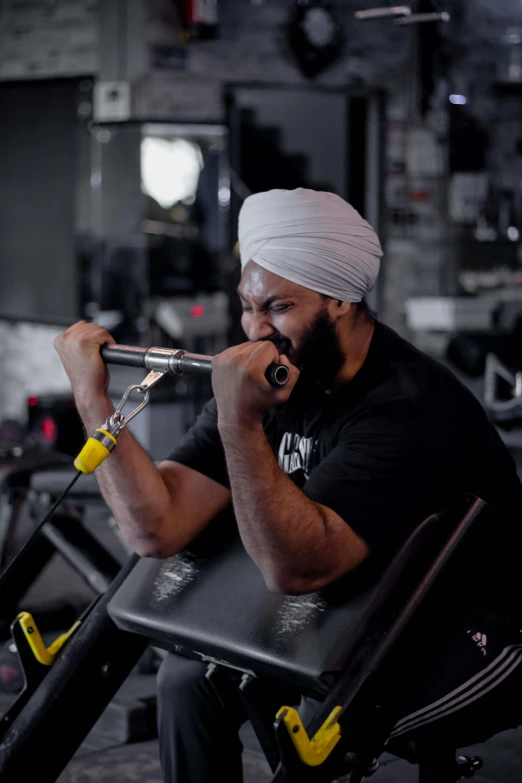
x,y
37,198
357,123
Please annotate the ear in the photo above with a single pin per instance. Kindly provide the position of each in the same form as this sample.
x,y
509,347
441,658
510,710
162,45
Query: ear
x,y
340,308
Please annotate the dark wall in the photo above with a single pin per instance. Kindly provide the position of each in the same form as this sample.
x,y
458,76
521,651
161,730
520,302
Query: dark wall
x,y
308,124
38,126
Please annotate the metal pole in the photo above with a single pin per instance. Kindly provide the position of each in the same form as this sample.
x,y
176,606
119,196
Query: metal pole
x,y
51,725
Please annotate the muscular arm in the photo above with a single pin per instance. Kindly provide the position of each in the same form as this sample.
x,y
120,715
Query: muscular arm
x,y
158,509
298,545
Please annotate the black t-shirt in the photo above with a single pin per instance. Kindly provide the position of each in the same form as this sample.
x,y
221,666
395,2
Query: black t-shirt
x,y
399,442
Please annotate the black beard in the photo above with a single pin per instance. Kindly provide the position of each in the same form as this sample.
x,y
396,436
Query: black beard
x,y
318,359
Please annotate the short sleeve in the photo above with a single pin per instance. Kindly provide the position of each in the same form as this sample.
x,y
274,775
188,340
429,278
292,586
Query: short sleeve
x,y
201,448
378,478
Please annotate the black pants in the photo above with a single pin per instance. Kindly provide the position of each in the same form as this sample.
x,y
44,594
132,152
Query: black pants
x,y
473,687
474,690
199,720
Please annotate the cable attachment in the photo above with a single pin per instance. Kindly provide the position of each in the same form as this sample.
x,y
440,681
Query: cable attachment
x,y
118,421
104,440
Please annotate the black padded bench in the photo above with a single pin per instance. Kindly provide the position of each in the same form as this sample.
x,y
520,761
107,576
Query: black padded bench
x,y
345,646
339,644
219,608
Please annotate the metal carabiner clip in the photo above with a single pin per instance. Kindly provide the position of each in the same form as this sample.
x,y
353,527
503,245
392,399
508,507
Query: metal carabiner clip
x,y
100,445
118,421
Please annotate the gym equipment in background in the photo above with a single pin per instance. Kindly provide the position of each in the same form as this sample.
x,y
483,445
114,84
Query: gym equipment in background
x,y
502,393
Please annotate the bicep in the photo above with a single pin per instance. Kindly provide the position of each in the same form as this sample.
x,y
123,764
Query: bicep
x,y
196,499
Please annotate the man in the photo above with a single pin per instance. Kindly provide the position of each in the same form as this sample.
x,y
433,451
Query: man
x,y
369,437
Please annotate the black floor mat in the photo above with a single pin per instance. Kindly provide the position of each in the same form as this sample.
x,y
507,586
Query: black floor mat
x,y
140,763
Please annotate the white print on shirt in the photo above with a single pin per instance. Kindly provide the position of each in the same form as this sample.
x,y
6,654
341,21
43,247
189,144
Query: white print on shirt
x,y
481,640
295,453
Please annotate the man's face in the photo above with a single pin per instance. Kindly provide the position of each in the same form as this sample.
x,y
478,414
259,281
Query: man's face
x,y
297,321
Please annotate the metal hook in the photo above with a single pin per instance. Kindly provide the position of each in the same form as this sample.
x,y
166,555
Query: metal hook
x,y
117,421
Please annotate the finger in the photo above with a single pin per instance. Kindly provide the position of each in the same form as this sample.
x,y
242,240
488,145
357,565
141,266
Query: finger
x,y
74,331
283,359
109,339
267,349
94,333
261,360
236,352
294,371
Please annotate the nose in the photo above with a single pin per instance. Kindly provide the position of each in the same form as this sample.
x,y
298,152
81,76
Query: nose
x,y
257,327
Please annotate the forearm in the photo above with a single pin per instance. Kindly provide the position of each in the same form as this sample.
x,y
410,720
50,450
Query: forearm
x,y
130,483
283,531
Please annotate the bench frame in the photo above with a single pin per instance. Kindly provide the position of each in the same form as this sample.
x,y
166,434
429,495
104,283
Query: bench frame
x,y
41,736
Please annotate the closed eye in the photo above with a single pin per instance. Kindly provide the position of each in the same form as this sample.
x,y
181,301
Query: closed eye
x,y
280,309
276,310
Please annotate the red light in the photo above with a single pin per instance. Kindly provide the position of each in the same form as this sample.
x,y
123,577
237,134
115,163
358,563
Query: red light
x,y
32,401
8,674
48,429
196,311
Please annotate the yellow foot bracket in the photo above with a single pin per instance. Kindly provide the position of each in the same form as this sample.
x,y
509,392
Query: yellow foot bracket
x,y
35,658
315,751
27,635
35,661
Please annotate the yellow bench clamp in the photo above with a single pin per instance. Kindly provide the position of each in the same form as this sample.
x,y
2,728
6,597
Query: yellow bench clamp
x,y
44,655
315,751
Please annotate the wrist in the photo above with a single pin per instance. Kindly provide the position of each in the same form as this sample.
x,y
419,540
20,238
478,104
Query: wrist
x,y
94,408
234,426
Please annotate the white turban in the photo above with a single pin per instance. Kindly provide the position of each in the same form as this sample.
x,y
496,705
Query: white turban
x,y
311,238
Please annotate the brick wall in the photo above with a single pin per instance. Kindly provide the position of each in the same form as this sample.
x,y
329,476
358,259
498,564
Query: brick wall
x,y
251,48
